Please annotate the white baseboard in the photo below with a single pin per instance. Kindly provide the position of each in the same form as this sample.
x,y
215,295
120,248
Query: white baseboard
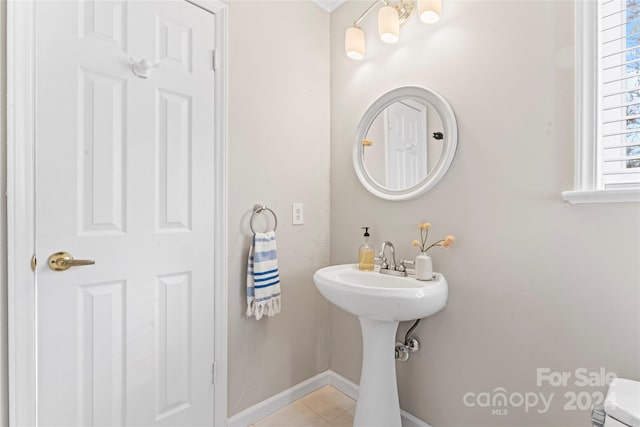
x,y
344,385
277,402
409,420
280,400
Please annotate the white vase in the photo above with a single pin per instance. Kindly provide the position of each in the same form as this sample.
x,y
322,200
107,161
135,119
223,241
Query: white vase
x,y
424,267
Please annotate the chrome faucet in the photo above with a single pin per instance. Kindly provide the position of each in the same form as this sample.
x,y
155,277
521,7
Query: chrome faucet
x,y
385,265
388,265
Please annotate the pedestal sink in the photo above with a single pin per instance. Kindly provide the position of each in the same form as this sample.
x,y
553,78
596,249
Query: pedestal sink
x,y
380,301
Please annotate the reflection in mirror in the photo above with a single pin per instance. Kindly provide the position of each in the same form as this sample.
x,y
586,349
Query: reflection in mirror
x,y
400,149
405,143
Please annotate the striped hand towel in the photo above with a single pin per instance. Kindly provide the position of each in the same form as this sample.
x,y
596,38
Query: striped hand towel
x,y
263,280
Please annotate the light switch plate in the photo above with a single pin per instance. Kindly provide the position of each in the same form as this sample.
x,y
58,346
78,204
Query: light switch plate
x,y
297,211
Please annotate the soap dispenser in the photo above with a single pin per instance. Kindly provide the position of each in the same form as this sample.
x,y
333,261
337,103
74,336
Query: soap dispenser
x,y
366,255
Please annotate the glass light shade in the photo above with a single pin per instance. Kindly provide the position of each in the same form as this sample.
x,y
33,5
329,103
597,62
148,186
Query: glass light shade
x,y
429,10
388,24
354,43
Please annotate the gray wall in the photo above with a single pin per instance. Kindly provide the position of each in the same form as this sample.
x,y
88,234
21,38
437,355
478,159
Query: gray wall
x,y
4,405
279,154
533,283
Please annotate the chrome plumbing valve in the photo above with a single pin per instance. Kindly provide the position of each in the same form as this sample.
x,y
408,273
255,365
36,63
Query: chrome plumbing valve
x,y
410,344
404,349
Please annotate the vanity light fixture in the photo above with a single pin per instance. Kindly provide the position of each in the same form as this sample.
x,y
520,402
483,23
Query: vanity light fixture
x,y
390,18
429,10
388,24
354,43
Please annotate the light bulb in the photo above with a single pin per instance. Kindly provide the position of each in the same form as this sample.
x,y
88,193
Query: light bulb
x,y
354,43
429,10
388,24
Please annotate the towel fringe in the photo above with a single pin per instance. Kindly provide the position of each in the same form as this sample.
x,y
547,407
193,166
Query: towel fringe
x,y
268,308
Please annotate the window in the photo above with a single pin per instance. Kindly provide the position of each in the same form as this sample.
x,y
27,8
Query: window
x,y
608,102
619,100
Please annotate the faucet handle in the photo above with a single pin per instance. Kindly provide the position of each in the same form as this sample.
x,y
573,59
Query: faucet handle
x,y
404,263
382,260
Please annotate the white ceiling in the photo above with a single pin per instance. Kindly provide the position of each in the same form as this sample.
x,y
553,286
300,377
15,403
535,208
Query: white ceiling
x,y
329,5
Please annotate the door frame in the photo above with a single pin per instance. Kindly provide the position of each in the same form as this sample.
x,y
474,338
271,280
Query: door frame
x,y
21,194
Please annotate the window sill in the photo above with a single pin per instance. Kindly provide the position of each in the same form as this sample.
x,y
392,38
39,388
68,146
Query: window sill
x,y
602,196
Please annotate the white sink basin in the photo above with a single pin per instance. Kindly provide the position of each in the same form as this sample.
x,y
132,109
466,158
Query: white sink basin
x,y
380,301
380,296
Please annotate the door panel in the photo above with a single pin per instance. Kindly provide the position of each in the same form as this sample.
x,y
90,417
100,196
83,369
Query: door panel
x,y
125,178
102,114
104,18
406,144
101,364
173,145
173,346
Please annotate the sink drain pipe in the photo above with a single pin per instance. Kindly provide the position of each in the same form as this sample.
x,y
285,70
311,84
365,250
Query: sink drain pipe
x,y
410,344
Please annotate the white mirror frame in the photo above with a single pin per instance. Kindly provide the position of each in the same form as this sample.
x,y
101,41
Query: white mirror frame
x,y
450,142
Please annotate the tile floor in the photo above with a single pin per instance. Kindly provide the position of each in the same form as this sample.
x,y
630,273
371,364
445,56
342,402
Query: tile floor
x,y
326,407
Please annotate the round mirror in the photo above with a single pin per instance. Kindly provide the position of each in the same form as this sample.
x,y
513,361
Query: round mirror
x,y
405,143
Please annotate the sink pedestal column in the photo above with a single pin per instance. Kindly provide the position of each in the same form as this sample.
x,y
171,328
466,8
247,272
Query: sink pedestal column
x,y
378,404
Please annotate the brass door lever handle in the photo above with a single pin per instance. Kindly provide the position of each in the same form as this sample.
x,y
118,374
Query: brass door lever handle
x,y
61,261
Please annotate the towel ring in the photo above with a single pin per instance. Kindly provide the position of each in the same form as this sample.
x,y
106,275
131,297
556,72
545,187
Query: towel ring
x,y
259,209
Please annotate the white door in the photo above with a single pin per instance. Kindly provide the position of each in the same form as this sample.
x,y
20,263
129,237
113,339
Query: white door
x,y
406,133
125,178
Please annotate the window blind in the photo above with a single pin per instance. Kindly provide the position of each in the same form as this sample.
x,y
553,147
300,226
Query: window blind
x,y
618,151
